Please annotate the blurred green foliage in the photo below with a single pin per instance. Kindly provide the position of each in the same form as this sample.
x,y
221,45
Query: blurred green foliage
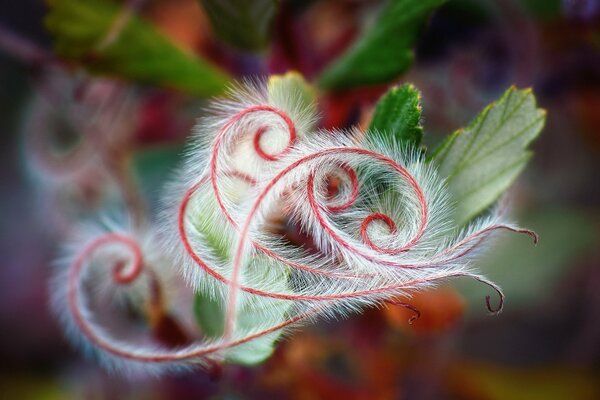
x,y
245,24
82,32
544,10
384,50
152,167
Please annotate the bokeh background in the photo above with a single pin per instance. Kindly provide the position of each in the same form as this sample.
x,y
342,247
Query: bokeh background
x,y
80,131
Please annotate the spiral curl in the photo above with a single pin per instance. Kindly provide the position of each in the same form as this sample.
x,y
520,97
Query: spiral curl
x,y
259,195
372,244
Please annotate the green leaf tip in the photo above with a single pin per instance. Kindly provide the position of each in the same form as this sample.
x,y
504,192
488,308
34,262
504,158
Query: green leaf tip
x,y
482,160
292,85
138,51
244,24
397,115
384,50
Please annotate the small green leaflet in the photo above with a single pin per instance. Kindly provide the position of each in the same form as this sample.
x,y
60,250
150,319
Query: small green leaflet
x,y
210,314
398,115
384,51
139,52
482,160
245,24
293,85
254,314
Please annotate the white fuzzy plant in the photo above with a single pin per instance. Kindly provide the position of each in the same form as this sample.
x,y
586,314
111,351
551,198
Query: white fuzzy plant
x,y
381,218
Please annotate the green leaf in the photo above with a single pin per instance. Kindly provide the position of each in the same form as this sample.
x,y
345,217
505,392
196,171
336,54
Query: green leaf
x,y
261,314
210,314
255,314
245,24
139,52
384,51
398,115
528,274
482,160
